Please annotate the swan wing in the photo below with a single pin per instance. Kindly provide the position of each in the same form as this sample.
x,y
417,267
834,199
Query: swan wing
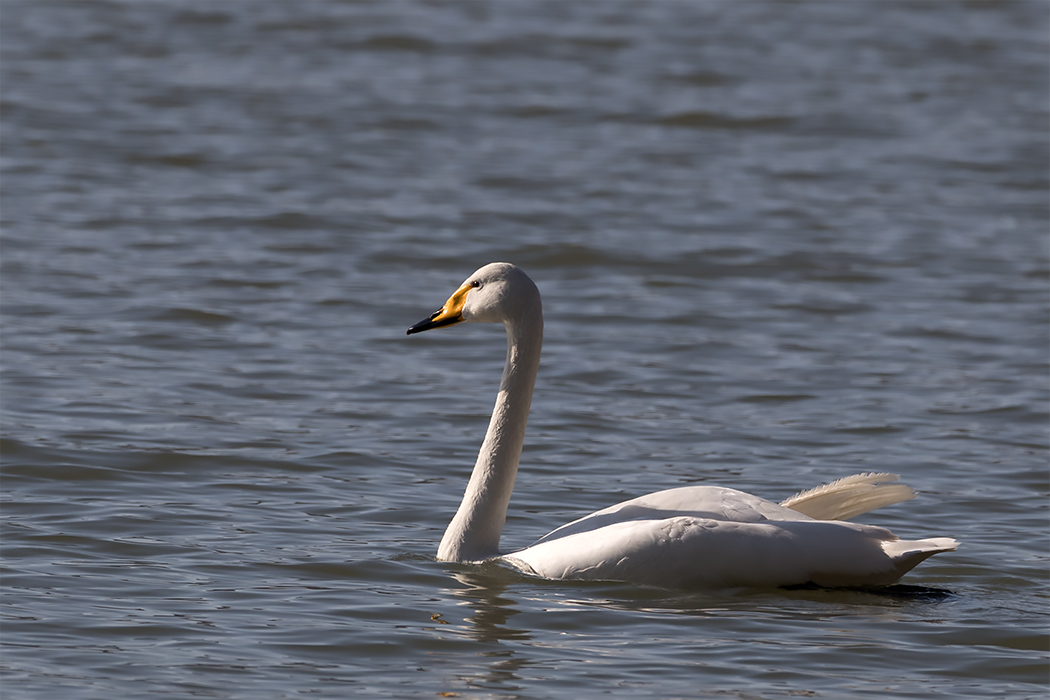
x,y
851,496
705,502
695,552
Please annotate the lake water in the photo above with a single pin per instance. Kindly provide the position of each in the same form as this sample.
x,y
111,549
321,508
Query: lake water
x,y
778,243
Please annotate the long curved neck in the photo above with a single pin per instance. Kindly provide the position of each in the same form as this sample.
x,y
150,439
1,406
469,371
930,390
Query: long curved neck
x,y
474,532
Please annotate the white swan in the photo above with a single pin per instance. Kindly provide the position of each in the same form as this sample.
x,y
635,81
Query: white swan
x,y
690,537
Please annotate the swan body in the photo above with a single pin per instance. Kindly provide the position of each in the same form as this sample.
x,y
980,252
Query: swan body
x,y
689,537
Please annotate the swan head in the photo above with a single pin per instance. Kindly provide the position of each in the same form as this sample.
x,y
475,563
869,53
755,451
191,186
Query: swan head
x,y
496,293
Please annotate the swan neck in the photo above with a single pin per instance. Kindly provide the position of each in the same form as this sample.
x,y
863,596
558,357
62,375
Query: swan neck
x,y
474,533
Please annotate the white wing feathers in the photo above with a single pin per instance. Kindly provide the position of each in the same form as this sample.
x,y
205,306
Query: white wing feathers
x,y
850,497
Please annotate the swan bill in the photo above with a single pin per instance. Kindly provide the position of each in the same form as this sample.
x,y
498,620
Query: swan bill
x,y
449,314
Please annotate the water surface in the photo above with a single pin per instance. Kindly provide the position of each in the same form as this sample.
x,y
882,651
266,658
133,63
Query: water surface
x,y
778,244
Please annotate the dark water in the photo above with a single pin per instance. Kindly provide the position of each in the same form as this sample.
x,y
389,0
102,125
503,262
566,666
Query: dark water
x,y
779,243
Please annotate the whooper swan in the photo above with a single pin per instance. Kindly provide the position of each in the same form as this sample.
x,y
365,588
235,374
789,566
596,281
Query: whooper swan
x,y
689,537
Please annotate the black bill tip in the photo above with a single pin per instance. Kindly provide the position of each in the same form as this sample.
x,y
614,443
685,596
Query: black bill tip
x,y
435,320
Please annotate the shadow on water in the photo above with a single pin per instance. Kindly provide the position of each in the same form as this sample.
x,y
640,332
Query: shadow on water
x,y
899,591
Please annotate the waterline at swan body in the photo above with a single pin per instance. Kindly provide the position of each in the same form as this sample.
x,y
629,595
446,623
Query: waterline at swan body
x,y
690,537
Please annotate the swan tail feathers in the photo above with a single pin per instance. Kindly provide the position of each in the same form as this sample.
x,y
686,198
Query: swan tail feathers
x,y
907,554
849,497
